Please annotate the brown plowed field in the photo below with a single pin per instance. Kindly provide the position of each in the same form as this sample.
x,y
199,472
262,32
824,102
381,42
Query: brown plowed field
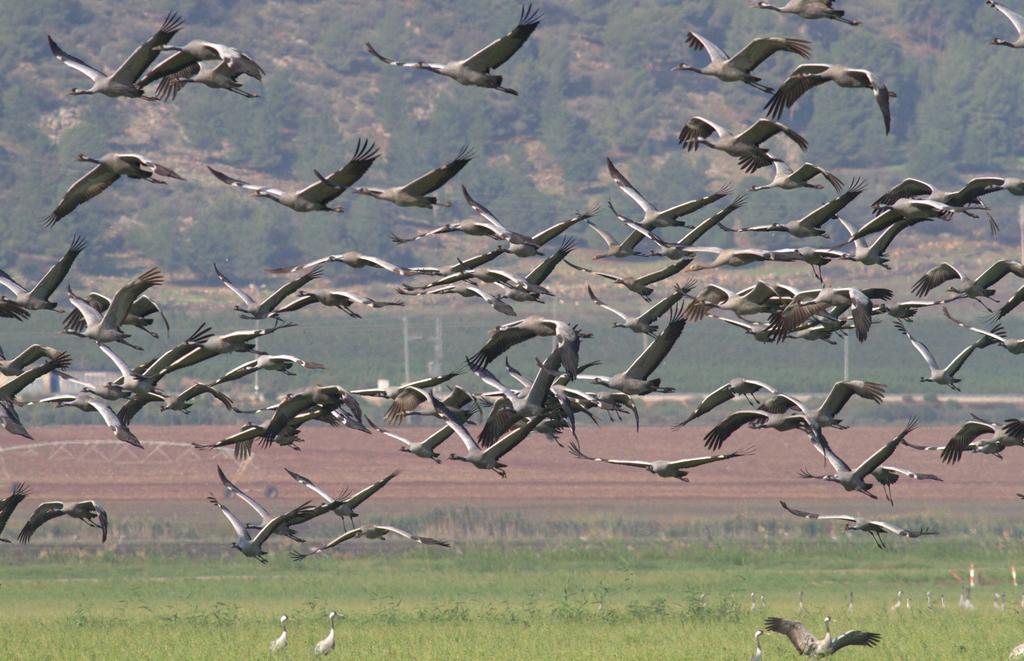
x,y
540,473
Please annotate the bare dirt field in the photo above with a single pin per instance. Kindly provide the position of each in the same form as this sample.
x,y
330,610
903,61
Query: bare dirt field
x,y
541,474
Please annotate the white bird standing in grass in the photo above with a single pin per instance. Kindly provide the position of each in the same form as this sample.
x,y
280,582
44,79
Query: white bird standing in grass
x,y
327,644
758,653
281,641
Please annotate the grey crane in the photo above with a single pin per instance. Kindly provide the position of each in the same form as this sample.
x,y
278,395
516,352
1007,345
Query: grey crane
x,y
787,179
196,51
352,259
16,365
811,224
427,448
106,327
506,336
125,79
497,302
853,479
816,258
762,297
416,193
183,400
640,285
316,196
281,641
734,257
874,528
406,397
230,488
267,308
656,218
746,388
327,399
808,303
88,512
678,469
759,419
997,335
7,505
826,415
108,169
513,406
969,194
327,644
758,652
349,501
905,212
1018,25
1010,433
241,341
272,363
334,298
943,376
369,532
476,69
251,546
744,146
740,67
38,297
645,321
535,278
490,227
676,250
809,9
873,254
140,313
484,458
88,402
635,379
242,440
977,288
10,387
808,76
222,75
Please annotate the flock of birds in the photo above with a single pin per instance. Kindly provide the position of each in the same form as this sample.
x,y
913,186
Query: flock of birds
x,y
550,402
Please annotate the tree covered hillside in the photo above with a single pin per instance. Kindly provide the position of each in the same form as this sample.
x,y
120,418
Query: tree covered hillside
x,y
595,80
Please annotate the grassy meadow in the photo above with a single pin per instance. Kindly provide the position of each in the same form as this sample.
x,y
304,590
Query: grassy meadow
x,y
565,600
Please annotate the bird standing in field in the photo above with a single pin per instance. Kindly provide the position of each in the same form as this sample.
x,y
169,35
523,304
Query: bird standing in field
x,y
807,645
327,644
281,641
476,69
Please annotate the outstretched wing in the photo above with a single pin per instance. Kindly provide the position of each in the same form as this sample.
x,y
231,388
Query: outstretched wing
x,y
496,53
438,177
49,282
147,52
335,184
78,65
802,639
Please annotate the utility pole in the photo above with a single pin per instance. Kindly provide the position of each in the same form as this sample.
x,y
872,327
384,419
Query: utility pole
x,y
405,346
438,345
846,357
1020,221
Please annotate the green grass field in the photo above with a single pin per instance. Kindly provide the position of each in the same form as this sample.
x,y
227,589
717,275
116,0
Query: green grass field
x,y
572,600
